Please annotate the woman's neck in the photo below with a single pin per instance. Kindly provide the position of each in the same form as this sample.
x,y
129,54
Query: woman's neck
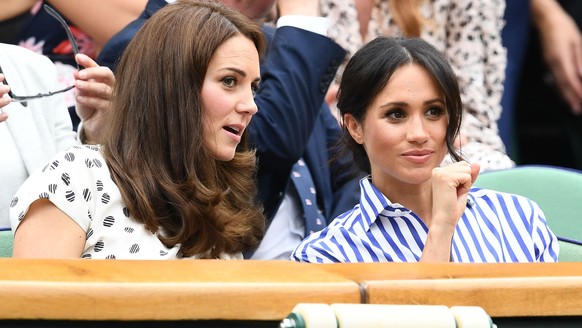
x,y
415,197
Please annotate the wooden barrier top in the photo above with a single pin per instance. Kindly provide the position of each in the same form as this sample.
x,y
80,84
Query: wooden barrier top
x,y
268,290
362,272
164,290
501,289
499,297
208,271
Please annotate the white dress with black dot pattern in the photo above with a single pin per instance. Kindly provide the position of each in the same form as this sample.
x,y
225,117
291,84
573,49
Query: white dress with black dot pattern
x,y
78,182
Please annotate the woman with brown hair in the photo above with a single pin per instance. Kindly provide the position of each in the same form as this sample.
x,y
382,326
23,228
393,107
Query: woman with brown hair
x,y
171,178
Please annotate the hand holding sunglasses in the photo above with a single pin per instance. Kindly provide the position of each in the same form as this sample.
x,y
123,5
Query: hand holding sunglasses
x,y
24,99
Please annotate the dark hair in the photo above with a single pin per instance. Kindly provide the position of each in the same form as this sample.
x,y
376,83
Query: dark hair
x,y
154,145
370,69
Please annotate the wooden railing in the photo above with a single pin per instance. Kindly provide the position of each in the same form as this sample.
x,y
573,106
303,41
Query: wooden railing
x,y
502,290
268,290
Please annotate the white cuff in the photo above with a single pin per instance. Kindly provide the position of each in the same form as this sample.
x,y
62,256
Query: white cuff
x,y
313,24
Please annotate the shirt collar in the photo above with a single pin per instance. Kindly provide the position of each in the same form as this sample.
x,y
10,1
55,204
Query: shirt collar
x,y
373,202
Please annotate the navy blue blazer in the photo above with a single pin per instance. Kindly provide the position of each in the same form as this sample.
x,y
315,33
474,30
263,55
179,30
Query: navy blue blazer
x,y
111,52
293,120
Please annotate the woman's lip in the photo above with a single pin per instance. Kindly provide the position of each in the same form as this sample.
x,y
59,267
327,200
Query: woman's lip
x,y
235,128
418,157
233,136
421,152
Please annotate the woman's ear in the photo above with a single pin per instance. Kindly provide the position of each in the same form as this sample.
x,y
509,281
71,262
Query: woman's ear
x,y
354,127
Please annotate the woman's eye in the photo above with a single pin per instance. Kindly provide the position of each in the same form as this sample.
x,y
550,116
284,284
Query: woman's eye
x,y
255,89
435,111
395,115
229,81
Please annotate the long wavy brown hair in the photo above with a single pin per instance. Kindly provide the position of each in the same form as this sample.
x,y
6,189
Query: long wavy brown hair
x,y
154,145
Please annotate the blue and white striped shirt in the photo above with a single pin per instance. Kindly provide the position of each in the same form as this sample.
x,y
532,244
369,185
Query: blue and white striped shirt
x,y
495,227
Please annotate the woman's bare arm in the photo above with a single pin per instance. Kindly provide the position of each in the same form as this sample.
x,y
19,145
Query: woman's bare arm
x,y
13,8
47,232
99,19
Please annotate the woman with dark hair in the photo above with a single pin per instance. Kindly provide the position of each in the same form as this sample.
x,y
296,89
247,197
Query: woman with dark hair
x,y
466,32
401,108
171,178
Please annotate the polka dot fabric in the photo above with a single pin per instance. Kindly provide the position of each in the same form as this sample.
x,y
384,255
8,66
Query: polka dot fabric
x,y
78,182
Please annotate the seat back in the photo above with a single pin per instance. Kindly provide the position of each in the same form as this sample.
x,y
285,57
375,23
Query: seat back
x,y
6,242
570,252
558,192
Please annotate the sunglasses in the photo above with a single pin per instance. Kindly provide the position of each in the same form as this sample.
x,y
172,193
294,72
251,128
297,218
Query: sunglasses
x,y
25,99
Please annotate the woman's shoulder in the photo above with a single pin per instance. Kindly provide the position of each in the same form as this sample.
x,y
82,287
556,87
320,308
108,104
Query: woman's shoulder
x,y
77,166
85,149
479,192
496,198
72,180
89,155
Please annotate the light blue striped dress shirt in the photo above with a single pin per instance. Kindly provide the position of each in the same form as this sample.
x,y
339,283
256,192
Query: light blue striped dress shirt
x,y
495,227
